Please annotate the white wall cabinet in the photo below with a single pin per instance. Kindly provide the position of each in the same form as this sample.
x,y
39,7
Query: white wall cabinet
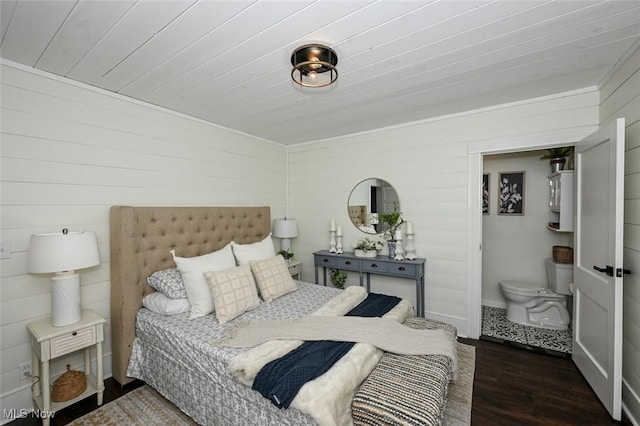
x,y
561,201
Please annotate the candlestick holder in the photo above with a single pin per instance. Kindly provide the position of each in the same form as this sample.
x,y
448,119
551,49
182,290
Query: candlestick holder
x,y
332,242
398,255
339,244
410,247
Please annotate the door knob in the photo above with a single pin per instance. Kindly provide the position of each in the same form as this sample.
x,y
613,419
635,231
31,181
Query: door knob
x,y
607,269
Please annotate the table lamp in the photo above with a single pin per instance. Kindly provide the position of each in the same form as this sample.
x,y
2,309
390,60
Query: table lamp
x,y
286,229
62,253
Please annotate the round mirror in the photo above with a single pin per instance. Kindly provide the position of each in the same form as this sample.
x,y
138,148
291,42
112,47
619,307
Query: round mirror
x,y
369,198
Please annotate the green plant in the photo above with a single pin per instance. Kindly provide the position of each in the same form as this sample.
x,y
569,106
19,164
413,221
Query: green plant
x,y
337,277
392,220
561,152
286,254
365,244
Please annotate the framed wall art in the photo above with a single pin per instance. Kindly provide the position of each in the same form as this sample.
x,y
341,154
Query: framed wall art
x,y
485,193
511,193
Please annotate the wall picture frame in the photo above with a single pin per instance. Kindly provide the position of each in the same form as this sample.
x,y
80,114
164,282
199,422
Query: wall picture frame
x,y
485,192
511,193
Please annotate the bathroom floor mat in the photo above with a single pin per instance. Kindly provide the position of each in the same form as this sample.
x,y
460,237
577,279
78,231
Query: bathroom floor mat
x,y
496,327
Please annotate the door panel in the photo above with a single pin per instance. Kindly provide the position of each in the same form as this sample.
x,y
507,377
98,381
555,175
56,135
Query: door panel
x,y
597,323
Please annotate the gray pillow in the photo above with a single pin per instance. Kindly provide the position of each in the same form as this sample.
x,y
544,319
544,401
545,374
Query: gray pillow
x,y
168,282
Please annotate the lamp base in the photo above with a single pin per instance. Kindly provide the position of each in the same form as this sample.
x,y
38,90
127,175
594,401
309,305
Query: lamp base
x,y
285,244
65,299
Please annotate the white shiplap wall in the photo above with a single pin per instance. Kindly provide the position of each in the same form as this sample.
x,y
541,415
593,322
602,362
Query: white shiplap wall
x,y
69,152
620,97
427,163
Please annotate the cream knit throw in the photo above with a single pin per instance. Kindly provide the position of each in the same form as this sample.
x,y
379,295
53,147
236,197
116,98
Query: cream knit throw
x,y
383,333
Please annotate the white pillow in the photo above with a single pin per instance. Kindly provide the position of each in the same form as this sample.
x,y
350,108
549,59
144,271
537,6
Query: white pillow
x,y
234,292
273,277
193,269
164,305
255,251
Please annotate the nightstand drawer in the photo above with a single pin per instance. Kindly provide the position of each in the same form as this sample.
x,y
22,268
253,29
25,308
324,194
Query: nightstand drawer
x,y
403,269
374,266
295,269
72,341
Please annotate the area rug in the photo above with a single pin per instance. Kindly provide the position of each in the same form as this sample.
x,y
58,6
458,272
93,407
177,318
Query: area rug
x,y
460,394
144,406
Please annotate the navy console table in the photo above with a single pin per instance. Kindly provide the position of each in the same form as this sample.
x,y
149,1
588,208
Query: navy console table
x,y
379,265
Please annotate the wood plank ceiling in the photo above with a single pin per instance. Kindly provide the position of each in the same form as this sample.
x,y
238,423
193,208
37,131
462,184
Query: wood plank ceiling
x,y
228,62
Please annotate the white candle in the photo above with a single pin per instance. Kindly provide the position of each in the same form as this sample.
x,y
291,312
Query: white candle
x,y
398,234
339,233
332,226
409,229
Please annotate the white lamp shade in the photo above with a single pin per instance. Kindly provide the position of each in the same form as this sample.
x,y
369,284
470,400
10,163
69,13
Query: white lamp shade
x,y
285,228
57,252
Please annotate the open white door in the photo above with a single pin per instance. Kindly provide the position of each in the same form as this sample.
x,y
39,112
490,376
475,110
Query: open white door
x,y
598,269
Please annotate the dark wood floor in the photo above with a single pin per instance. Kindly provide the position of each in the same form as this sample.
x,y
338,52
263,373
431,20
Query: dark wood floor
x,y
512,386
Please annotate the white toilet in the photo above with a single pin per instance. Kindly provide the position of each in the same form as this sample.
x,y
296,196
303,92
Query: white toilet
x,y
535,304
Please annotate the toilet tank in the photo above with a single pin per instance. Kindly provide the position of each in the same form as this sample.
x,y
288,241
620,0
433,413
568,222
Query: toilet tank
x,y
559,276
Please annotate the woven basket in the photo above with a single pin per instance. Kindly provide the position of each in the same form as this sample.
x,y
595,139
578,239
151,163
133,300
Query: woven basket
x,y
69,385
562,254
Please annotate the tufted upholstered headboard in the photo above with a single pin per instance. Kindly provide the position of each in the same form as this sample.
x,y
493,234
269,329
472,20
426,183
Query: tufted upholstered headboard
x,y
358,214
141,238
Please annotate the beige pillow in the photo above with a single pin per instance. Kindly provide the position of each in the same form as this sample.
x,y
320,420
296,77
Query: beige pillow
x,y
273,277
234,292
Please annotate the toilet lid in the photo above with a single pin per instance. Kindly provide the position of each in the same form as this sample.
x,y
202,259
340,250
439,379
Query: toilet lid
x,y
522,286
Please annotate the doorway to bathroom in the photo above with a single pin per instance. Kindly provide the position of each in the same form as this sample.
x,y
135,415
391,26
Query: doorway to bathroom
x,y
597,354
516,240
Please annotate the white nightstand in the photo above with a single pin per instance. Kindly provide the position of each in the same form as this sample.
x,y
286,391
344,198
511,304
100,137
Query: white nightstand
x,y
295,269
49,342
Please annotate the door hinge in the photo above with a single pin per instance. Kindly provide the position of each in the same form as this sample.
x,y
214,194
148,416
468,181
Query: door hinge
x,y
622,271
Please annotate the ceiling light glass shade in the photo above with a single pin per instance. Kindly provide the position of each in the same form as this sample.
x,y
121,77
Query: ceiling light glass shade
x,y
285,229
314,65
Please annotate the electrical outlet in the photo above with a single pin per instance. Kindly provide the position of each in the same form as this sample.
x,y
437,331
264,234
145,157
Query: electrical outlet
x,y
5,249
24,370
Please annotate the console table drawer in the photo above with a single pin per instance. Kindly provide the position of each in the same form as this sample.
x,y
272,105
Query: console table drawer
x,y
403,269
374,266
327,262
367,266
348,264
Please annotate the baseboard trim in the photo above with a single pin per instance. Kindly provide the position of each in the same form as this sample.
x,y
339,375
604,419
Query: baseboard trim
x,y
494,304
459,323
630,403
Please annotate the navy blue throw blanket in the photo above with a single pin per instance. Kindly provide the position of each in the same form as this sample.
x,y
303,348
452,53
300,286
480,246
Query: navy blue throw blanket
x,y
281,379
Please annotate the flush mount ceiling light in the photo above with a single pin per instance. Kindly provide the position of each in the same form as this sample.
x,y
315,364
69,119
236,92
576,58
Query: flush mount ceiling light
x,y
314,65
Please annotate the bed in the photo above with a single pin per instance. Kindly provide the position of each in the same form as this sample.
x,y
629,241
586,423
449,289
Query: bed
x,y
177,355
